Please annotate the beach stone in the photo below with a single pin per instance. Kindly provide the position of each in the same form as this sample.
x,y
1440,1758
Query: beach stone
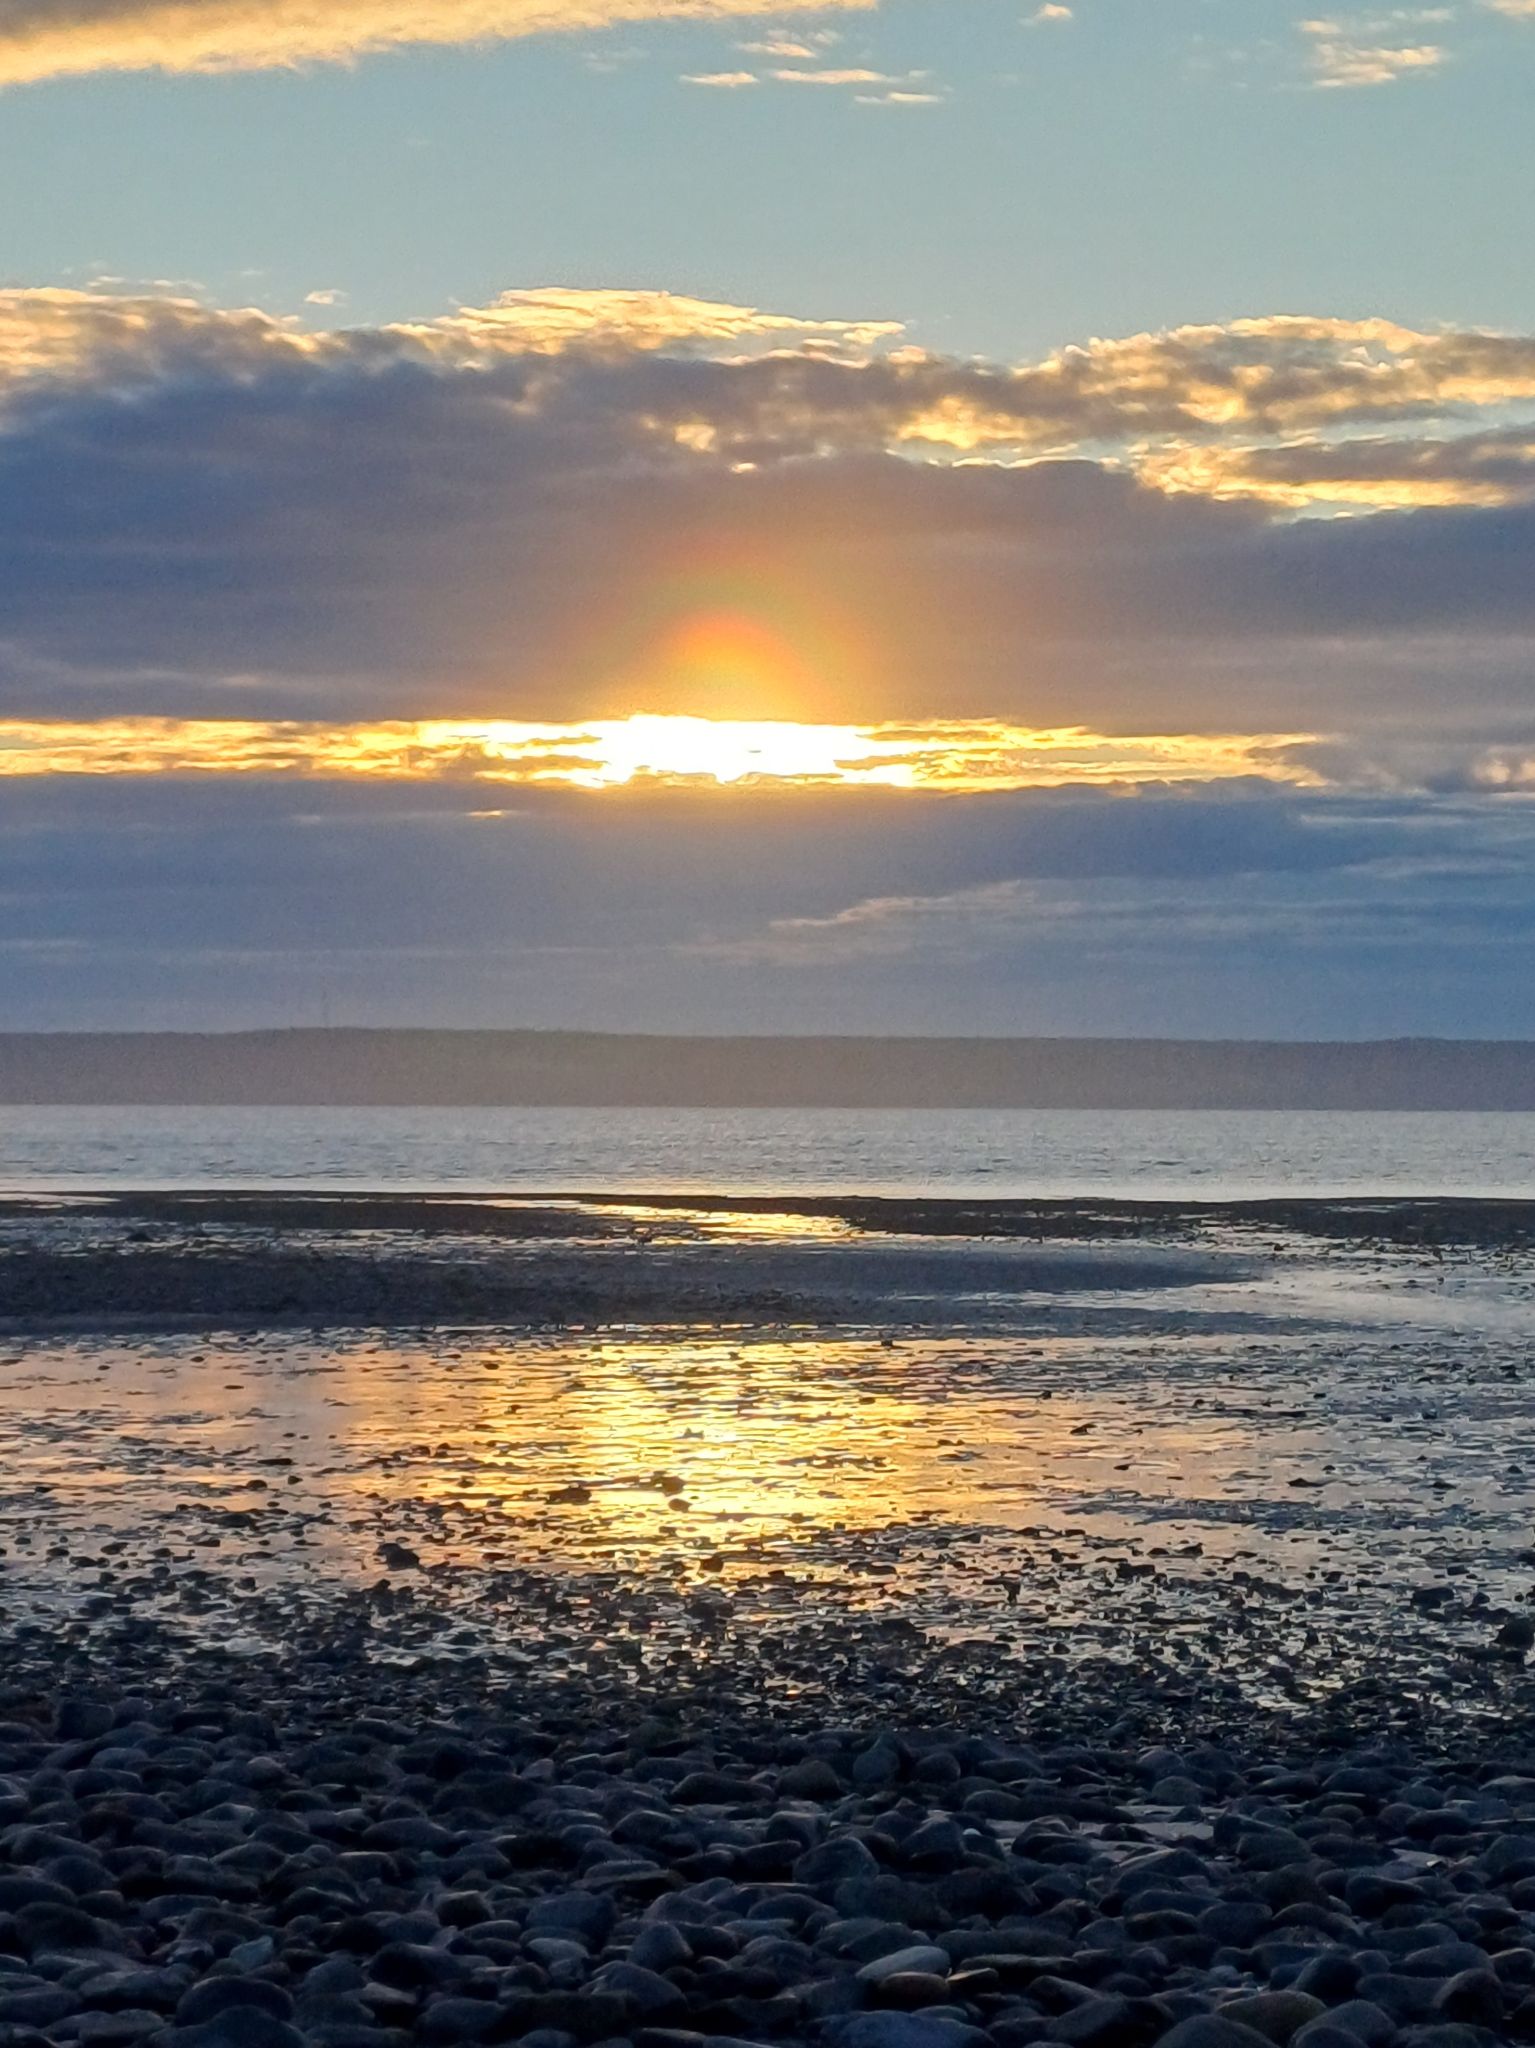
x,y
1509,1858
835,1861
240,2026
588,1914
1363,2020
1277,2015
879,1765
1206,2030
78,1719
579,2015
32,2004
647,1991
1101,2022
46,1926
903,2030
1475,1996
715,1788
1236,1922
460,2019
109,2029
922,1957
911,1991
1177,1791
1331,1976
813,1778
205,2001
661,1945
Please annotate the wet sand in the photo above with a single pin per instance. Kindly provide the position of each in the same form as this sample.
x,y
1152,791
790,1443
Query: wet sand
x,y
1131,1524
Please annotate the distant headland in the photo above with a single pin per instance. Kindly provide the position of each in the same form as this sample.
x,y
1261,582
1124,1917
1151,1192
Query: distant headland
x,y
345,1065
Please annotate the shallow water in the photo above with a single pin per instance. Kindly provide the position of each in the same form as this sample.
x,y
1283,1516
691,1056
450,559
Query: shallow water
x,y
1211,1154
1268,1463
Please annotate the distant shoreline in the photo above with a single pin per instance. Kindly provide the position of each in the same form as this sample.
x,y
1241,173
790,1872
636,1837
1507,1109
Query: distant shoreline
x,y
346,1067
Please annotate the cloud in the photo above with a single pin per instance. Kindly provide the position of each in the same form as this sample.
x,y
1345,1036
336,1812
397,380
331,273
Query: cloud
x,y
721,81
788,49
1049,16
54,38
1487,468
601,754
898,96
848,75
567,505
141,902
1349,52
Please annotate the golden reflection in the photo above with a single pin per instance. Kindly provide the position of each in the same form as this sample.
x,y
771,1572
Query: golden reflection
x,y
647,749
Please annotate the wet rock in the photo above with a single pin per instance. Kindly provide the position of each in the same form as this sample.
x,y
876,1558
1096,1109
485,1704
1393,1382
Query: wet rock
x,y
903,2030
1475,1996
1205,2030
932,1960
1277,2015
813,1778
214,1995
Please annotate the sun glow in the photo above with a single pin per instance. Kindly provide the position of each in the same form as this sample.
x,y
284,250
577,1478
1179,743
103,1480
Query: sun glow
x,y
649,749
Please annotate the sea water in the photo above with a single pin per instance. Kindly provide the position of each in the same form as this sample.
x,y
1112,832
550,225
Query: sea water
x,y
1208,1154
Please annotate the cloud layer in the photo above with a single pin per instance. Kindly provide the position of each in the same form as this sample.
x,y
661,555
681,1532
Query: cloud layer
x,y
569,505
140,902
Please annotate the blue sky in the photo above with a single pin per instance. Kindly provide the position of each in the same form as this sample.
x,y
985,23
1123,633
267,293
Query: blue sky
x,y
1146,164
1081,460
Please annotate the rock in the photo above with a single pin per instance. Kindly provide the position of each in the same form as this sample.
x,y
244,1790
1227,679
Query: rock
x,y
833,1862
1236,1923
934,1961
205,2001
82,1720
1206,2030
45,1926
812,1779
1509,1858
715,1788
650,1995
241,2026
1362,2021
911,1990
1177,1791
879,1765
587,1914
33,2004
1475,1996
454,2018
1277,2015
903,2030
1104,2022
660,1946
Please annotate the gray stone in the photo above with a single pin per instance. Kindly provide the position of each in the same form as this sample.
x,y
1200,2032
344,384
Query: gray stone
x,y
923,1957
1277,2015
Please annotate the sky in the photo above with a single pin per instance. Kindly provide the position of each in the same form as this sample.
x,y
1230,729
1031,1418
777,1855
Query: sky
x,y
934,516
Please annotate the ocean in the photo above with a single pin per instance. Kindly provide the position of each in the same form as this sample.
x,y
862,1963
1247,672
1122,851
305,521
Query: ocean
x,y
1208,1154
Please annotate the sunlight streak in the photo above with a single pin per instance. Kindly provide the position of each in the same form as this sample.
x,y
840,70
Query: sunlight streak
x,y
648,749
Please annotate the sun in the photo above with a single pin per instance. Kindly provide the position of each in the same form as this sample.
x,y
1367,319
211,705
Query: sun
x,y
728,750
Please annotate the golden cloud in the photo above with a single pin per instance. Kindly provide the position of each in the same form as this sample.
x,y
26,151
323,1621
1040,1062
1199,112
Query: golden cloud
x,y
56,38
611,753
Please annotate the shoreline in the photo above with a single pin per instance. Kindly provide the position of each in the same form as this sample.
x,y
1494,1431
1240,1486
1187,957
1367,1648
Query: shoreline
x,y
1444,1218
728,1622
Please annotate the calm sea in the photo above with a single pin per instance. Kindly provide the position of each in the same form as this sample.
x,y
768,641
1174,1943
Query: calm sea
x,y
1210,1153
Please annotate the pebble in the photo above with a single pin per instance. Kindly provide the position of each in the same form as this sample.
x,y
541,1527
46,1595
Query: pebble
x,y
367,1863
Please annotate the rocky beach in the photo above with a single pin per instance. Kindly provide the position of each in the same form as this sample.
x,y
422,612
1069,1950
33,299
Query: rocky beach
x,y
879,1625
